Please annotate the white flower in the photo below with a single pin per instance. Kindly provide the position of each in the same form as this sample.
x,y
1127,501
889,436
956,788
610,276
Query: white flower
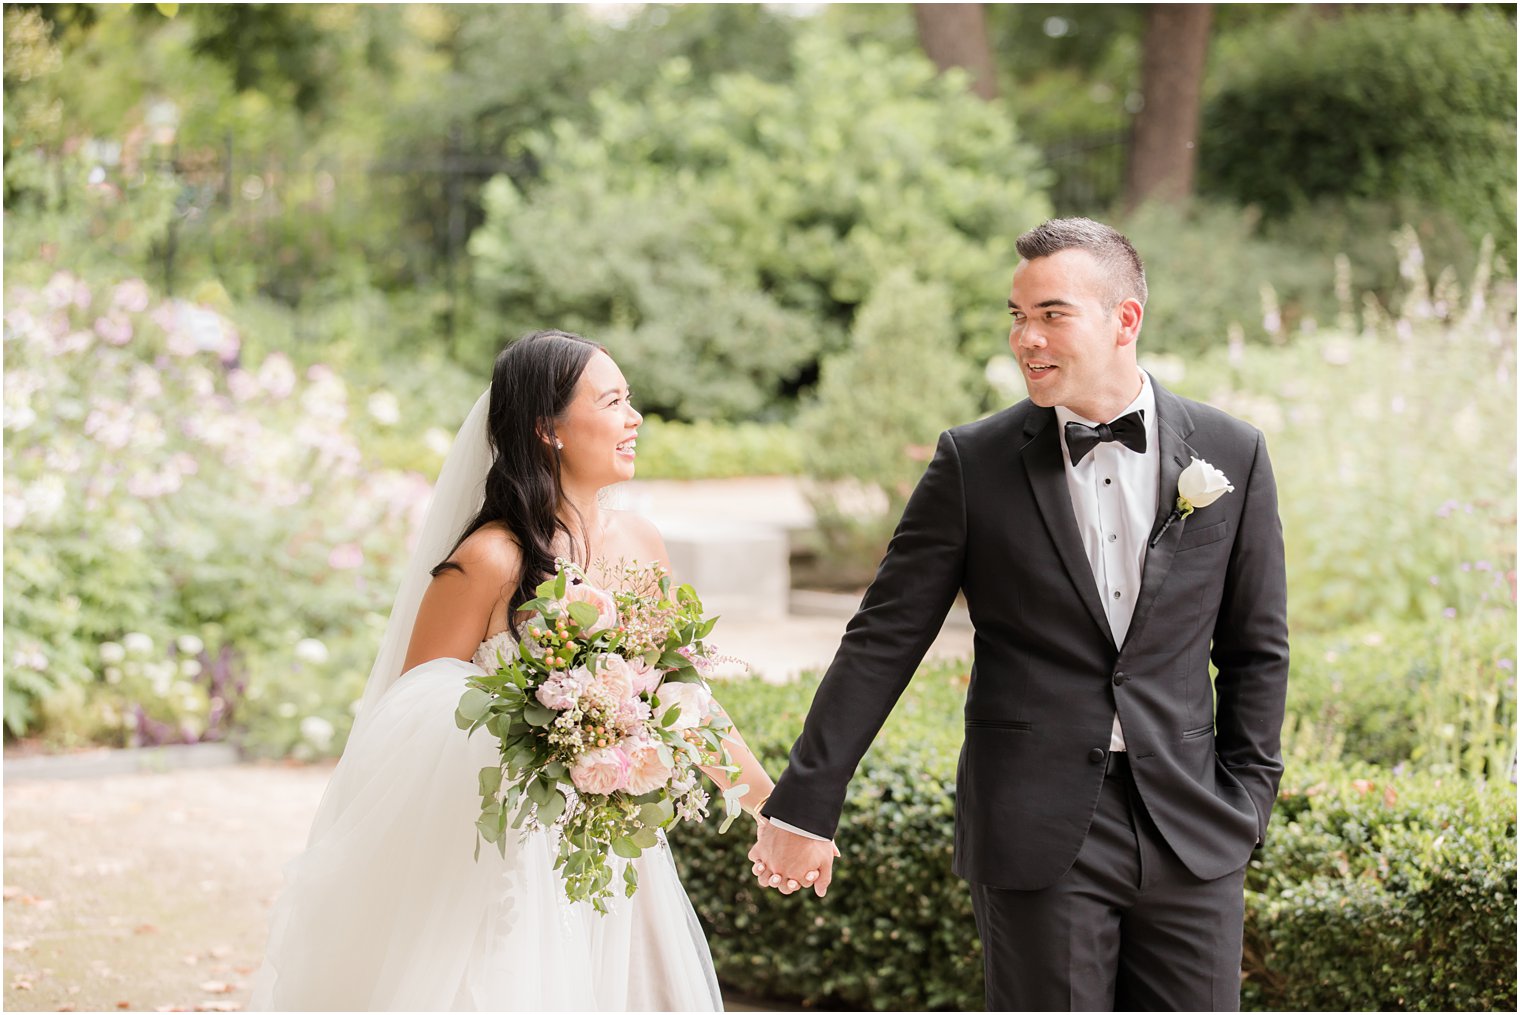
x,y
693,699
1199,486
137,644
112,653
190,645
384,408
310,650
287,710
317,731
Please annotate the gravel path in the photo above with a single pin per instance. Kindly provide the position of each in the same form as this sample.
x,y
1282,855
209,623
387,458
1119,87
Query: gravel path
x,y
147,892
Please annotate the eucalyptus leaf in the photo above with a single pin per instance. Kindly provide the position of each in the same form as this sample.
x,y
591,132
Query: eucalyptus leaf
x,y
584,614
490,780
474,703
646,838
538,715
550,810
626,847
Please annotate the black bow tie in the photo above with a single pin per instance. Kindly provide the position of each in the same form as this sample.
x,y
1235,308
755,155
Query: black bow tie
x,y
1128,430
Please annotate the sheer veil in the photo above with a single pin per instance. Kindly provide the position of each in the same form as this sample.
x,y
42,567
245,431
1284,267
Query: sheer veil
x,y
457,496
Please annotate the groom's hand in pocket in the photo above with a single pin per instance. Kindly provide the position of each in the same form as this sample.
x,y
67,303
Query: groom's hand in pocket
x,y
789,862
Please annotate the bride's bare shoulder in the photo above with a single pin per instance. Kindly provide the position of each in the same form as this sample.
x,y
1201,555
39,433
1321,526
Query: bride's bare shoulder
x,y
489,553
638,537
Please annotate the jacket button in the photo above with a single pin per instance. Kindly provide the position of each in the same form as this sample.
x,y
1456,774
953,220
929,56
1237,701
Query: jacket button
x,y
1119,678
1096,755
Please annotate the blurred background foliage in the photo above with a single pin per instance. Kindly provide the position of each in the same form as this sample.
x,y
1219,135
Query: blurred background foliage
x,y
258,258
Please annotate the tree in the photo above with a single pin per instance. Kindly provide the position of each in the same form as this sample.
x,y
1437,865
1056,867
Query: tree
x,y
955,35
1164,149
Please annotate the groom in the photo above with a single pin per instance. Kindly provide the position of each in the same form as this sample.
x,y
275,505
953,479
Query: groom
x,y
1106,804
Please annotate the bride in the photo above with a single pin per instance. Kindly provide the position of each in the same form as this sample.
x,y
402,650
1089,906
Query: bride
x,y
386,909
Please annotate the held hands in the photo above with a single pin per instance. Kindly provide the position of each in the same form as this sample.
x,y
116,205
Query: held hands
x,y
787,861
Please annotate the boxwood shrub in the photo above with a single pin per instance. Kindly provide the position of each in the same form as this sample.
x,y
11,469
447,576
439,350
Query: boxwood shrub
x,y
1374,890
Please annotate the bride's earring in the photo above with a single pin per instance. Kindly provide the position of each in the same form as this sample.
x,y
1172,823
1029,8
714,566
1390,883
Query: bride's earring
x,y
559,445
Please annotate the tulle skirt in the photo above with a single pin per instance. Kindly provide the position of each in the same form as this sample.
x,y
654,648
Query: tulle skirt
x,y
387,910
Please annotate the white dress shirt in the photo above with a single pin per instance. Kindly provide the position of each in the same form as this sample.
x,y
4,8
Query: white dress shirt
x,y
1113,494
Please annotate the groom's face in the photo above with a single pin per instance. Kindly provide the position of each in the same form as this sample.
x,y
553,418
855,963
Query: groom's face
x,y
1072,344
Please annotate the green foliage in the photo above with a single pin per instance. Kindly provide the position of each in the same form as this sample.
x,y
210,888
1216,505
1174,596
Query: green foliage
x,y
162,490
895,930
1414,871
1391,475
879,408
1397,103
1206,267
1438,694
1383,893
721,238
670,449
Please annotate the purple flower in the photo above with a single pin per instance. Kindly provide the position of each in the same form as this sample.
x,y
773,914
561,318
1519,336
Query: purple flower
x,y
1506,664
1449,613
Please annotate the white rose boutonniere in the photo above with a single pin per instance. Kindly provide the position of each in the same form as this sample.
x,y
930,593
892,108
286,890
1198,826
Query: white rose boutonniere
x,y
1199,486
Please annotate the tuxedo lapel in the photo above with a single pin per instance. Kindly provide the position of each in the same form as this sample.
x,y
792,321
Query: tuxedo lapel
x,y
1046,468
1173,425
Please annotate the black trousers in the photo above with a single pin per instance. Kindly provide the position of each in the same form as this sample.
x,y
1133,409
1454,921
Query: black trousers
x,y
1128,928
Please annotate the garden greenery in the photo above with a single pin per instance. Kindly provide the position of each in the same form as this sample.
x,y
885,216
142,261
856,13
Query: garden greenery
x,y
1401,102
1385,888
720,237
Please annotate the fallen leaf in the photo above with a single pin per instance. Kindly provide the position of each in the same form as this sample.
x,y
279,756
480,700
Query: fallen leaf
x,y
11,891
218,1006
243,970
123,1004
64,1007
145,928
216,987
221,951
171,1007
21,983
18,946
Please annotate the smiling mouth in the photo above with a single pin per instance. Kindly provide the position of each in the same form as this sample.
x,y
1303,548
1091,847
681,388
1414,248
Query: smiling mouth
x,y
629,447
1040,370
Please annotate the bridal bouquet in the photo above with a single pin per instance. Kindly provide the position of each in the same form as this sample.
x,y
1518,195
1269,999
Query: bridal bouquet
x,y
603,714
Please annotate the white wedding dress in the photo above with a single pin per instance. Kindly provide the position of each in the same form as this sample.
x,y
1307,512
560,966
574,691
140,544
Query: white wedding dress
x,y
387,910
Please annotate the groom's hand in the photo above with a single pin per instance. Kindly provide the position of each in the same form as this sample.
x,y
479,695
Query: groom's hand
x,y
787,861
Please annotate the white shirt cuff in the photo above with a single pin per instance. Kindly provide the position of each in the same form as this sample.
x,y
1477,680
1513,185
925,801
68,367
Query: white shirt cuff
x,y
795,830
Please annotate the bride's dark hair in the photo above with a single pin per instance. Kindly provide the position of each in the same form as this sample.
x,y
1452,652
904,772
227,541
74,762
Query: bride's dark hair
x,y
532,385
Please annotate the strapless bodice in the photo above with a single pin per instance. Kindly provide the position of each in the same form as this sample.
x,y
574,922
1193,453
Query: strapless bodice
x,y
503,642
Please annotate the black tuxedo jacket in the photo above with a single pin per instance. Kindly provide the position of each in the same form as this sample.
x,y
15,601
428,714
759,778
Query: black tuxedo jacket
x,y
992,518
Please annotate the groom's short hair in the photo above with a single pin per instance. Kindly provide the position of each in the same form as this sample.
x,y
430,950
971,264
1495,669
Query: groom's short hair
x,y
1114,252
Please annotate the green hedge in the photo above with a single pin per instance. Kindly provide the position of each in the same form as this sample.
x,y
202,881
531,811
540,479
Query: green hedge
x,y
1359,900
1386,894
1389,103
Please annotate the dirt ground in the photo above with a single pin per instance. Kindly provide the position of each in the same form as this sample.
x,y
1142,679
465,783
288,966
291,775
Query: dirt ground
x,y
147,892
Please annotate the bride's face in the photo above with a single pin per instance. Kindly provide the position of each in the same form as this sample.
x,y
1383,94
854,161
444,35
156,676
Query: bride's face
x,y
599,428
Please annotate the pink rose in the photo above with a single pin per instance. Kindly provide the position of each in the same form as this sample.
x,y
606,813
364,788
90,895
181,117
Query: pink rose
x,y
694,700
601,771
613,677
562,690
645,677
634,713
647,770
606,606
